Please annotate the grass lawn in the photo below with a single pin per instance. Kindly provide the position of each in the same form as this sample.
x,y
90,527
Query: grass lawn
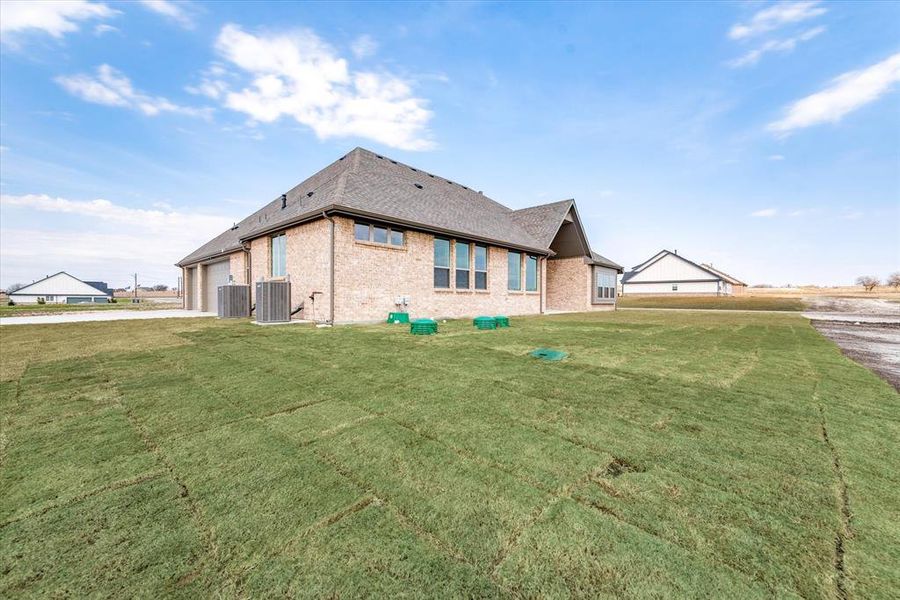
x,y
671,455
22,310
713,302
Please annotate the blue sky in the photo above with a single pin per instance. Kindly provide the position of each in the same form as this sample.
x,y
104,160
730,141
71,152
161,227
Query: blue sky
x,y
763,137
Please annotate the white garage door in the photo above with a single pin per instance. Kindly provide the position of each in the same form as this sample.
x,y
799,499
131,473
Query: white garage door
x,y
216,275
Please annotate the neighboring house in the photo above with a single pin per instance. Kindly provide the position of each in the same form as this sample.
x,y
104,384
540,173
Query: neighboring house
x,y
668,273
368,234
61,288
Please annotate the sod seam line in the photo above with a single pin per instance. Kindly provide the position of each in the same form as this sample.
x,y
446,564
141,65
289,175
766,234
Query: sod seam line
x,y
103,489
208,535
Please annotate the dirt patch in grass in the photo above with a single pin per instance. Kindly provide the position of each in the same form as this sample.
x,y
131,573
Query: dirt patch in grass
x,y
713,302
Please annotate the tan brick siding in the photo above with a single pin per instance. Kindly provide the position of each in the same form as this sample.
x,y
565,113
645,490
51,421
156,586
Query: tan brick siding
x,y
369,277
570,286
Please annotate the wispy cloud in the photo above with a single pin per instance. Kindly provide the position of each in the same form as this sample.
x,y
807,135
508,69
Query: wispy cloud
x,y
364,46
776,157
103,28
765,212
174,11
298,75
781,46
53,18
112,88
775,17
845,94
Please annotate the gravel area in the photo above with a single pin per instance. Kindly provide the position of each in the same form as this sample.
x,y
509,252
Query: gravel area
x,y
867,330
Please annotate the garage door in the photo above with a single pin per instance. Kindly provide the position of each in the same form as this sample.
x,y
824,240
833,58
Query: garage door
x,y
216,275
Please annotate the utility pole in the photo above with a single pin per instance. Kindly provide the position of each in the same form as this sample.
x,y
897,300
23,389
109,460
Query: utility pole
x,y
134,291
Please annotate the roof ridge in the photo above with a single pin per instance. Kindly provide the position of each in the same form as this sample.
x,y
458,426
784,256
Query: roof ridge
x,y
570,200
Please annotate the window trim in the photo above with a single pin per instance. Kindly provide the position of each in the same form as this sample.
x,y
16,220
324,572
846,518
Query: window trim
x,y
391,230
435,266
519,287
537,272
610,293
476,270
456,267
272,239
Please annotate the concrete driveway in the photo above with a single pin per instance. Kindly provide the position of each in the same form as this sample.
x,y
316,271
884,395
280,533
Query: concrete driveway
x,y
105,315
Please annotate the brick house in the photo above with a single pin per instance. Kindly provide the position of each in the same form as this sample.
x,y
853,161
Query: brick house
x,y
367,231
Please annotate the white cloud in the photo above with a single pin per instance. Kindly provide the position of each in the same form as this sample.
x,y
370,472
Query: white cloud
x,y
775,17
104,28
846,93
364,46
53,18
112,88
776,157
297,75
766,212
174,11
101,239
787,45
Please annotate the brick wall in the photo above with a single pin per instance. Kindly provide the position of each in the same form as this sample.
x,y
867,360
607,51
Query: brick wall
x,y
570,286
368,277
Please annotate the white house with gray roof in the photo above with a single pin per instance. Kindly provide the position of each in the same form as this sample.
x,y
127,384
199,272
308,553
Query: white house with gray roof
x,y
60,288
668,273
367,231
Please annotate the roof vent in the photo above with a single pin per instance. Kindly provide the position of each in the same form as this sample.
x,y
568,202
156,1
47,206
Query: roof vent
x,y
379,156
309,194
418,185
413,169
233,227
283,201
394,161
480,192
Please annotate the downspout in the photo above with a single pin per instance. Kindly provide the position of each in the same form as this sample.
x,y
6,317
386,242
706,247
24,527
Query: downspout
x,y
543,285
330,270
248,274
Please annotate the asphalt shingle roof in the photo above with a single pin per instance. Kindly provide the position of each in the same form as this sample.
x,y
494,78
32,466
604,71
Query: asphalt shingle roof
x,y
365,183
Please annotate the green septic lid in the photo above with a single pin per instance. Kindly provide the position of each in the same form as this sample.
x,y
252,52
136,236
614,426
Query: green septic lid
x,y
398,317
424,322
548,354
502,321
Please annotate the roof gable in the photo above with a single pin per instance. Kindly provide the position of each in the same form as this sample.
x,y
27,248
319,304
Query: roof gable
x,y
59,284
669,266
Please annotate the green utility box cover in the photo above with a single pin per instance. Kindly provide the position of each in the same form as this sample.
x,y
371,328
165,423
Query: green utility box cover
x,y
485,322
423,327
502,321
548,354
398,317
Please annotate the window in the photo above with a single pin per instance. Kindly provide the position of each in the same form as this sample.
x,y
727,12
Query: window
x,y
441,263
674,287
462,266
605,285
380,234
531,273
481,259
279,255
514,270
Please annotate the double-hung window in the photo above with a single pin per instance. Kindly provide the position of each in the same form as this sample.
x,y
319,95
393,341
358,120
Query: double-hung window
x,y
462,266
279,255
514,270
605,288
531,273
481,264
441,263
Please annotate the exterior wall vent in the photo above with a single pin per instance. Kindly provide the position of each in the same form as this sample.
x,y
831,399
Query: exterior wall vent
x,y
234,301
273,301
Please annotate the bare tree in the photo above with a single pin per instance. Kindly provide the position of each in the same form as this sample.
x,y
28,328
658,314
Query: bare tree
x,y
868,282
160,287
14,287
893,280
